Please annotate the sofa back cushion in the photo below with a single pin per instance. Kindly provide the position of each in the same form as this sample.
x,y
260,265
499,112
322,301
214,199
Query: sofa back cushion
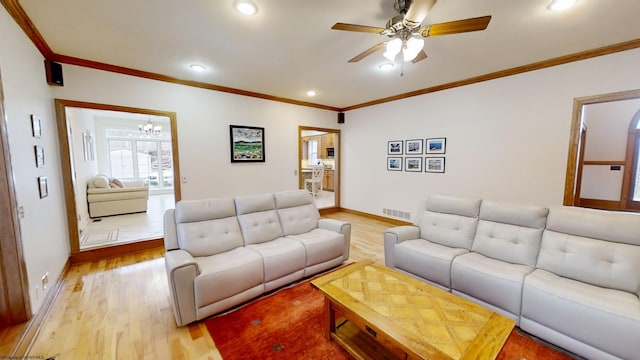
x,y
207,227
596,247
449,221
510,232
297,211
258,218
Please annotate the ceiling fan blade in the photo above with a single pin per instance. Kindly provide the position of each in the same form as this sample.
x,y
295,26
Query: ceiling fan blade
x,y
421,56
367,52
359,28
417,12
456,27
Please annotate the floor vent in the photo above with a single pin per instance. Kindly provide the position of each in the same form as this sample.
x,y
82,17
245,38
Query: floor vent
x,y
397,213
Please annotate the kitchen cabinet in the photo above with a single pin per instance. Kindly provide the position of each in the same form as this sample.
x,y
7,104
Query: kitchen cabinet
x,y
327,142
328,180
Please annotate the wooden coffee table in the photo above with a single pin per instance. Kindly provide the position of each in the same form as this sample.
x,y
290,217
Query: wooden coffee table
x,y
375,312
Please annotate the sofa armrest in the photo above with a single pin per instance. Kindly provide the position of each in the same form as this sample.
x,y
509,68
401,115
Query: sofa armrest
x,y
341,227
134,183
396,235
182,269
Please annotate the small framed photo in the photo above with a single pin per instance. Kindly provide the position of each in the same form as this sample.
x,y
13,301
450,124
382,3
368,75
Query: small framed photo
x,y
43,187
247,143
39,151
434,164
413,164
414,147
436,146
36,126
395,147
394,163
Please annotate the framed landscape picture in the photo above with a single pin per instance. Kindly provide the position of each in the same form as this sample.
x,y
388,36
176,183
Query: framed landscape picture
x,y
247,143
394,163
395,147
413,164
436,146
414,147
434,164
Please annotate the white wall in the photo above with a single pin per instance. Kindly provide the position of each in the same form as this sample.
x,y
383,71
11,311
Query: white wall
x,y
44,228
203,118
507,139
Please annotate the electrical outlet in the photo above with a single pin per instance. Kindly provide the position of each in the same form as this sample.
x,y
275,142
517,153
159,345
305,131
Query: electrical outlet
x,y
45,281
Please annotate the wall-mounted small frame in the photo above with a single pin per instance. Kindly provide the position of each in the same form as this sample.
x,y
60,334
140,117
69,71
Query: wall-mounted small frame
x,y
436,146
394,163
36,126
39,152
413,147
434,164
413,164
395,147
43,187
247,143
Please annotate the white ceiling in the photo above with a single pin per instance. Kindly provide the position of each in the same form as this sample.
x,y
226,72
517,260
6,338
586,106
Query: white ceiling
x,y
289,47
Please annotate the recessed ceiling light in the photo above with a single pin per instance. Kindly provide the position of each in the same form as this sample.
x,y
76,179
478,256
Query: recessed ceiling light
x,y
558,5
311,93
385,66
245,7
197,67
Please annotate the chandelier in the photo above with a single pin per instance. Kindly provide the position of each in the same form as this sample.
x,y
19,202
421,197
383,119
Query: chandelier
x,y
149,128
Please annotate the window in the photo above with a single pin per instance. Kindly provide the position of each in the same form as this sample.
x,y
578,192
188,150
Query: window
x,y
146,159
313,152
633,195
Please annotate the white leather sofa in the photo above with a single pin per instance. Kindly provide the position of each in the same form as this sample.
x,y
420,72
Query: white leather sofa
x,y
223,252
125,198
570,276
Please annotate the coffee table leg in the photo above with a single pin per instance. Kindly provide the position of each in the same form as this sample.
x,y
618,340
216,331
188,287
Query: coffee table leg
x,y
330,318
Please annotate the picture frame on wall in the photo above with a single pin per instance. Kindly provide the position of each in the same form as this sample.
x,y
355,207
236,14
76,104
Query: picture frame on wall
x,y
434,164
394,147
436,146
247,143
43,187
39,152
413,147
413,164
36,126
394,163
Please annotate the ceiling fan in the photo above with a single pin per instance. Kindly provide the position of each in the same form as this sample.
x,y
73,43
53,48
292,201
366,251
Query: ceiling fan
x,y
406,35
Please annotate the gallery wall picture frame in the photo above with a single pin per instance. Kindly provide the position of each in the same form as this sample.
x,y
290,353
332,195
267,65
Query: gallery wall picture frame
x,y
43,187
394,147
247,143
434,164
413,147
436,146
413,164
394,163
36,126
39,152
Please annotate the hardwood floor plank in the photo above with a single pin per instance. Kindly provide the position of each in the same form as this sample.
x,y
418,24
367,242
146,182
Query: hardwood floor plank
x,y
119,308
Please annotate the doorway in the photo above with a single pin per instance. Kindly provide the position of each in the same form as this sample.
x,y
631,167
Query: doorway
x,y
93,147
319,165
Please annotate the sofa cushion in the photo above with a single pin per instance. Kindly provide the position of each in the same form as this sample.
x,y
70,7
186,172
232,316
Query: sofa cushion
x,y
206,209
100,181
204,238
606,319
449,221
427,260
297,212
281,257
510,232
225,275
320,245
260,226
254,203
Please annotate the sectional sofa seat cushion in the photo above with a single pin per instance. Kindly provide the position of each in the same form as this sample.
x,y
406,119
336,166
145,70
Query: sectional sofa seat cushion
x,y
444,229
504,251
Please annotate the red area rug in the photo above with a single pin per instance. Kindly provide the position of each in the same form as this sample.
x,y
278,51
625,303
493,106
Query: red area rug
x,y
289,325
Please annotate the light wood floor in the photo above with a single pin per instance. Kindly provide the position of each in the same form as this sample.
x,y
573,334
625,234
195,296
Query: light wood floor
x,y
119,308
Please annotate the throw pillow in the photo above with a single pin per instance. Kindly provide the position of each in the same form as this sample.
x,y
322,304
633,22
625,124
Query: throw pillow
x,y
117,183
100,181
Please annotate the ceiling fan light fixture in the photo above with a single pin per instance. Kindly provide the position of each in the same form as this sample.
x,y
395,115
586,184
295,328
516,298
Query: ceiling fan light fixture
x,y
559,5
245,7
411,48
386,66
198,67
393,48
